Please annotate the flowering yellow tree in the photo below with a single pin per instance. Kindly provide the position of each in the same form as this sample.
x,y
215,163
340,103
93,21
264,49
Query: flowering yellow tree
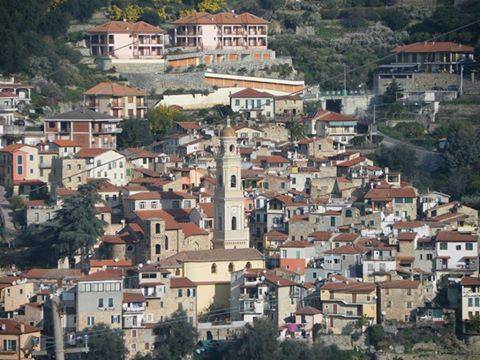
x,y
211,5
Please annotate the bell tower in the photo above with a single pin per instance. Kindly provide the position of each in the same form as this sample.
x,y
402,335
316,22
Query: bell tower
x,y
231,230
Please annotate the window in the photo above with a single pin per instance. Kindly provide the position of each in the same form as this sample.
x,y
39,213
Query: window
x,y
100,303
110,302
19,170
458,247
348,213
234,223
213,269
142,205
248,265
408,200
259,103
10,345
409,292
233,181
230,267
332,221
297,254
468,246
157,228
477,302
409,304
180,293
232,148
19,159
157,249
237,102
115,319
443,246
91,320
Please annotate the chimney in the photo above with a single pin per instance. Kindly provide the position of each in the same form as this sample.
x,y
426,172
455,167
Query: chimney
x,y
22,328
4,326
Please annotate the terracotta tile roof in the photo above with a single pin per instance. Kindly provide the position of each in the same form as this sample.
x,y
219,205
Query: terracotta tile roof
x,y
400,284
172,195
112,239
408,224
150,195
13,327
320,235
272,159
112,89
131,297
252,93
227,18
346,237
188,125
52,274
170,223
66,143
406,236
308,310
181,282
352,162
8,94
470,281
103,275
208,209
136,153
107,186
437,46
349,287
110,263
389,194
327,115
11,148
139,27
278,280
405,259
65,192
455,236
295,218
90,153
217,255
347,250
276,235
191,229
297,244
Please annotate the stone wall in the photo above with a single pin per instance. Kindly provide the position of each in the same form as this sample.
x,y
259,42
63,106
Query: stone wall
x,y
162,81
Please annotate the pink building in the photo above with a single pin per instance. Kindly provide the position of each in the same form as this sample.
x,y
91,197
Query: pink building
x,y
125,40
221,31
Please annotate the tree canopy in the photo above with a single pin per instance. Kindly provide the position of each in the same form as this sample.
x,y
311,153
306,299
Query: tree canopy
x,y
105,343
135,133
161,119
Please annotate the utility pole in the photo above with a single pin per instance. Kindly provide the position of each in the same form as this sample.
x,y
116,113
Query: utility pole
x,y
373,123
57,328
344,79
461,80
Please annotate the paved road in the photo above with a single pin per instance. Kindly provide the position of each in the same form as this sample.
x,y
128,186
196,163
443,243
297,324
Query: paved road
x,y
5,214
430,160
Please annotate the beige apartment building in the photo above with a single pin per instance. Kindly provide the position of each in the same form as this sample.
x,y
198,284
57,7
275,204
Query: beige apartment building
x,y
120,101
17,340
14,292
399,299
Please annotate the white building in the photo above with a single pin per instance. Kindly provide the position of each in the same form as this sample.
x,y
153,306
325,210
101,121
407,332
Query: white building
x,y
105,164
456,250
253,103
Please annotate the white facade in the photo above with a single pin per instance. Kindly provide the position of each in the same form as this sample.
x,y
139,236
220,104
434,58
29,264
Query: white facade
x,y
456,253
254,107
109,165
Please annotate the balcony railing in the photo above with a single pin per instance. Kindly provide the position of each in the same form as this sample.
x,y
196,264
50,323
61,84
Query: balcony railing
x,y
133,309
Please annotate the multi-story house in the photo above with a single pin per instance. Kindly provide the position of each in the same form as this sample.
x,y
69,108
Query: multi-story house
x,y
99,299
253,104
456,251
14,292
87,128
378,264
256,293
68,173
116,100
344,303
8,108
295,255
133,309
402,202
399,299
19,167
221,31
104,163
18,341
345,260
328,124
39,211
126,40
470,297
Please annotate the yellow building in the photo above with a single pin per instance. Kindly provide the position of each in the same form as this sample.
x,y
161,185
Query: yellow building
x,y
344,303
211,271
14,292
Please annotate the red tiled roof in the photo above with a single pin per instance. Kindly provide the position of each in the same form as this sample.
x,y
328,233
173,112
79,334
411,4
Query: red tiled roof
x,y
455,236
327,115
347,250
66,143
103,275
11,148
139,27
296,244
437,46
389,194
272,159
408,224
251,93
188,125
52,274
400,284
150,195
112,89
308,310
346,237
220,18
191,229
13,327
276,235
352,162
208,209
170,223
90,153
130,297
181,282
140,153
110,263
112,239
407,236
349,287
470,281
321,235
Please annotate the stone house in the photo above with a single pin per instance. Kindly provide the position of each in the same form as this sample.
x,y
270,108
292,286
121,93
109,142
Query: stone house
x,y
398,300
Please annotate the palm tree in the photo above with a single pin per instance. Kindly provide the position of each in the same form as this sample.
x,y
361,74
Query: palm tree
x,y
295,128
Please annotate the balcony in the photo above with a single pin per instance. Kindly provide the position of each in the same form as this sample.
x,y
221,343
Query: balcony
x,y
14,130
44,165
133,308
106,130
117,104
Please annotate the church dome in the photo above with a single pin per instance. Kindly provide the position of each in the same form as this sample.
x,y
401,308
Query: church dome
x,y
228,132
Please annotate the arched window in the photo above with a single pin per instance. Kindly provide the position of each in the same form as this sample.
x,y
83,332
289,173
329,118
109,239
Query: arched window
x,y
234,223
248,265
157,228
233,181
213,269
157,249
232,148
230,267
166,242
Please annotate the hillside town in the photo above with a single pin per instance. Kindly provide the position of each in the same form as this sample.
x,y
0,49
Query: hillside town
x,y
257,198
